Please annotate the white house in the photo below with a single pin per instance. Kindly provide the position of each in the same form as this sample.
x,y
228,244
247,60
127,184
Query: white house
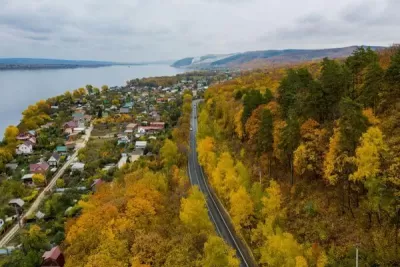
x,y
25,148
140,144
78,166
54,159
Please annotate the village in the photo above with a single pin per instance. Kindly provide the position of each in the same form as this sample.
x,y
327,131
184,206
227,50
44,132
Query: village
x,y
90,135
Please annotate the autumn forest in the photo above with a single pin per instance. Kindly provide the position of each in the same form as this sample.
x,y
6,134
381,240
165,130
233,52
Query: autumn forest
x,y
307,159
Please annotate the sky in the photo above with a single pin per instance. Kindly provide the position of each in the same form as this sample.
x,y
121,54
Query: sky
x,y
148,30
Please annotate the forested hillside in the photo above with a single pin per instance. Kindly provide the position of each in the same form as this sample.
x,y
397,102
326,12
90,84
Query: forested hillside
x,y
307,160
148,215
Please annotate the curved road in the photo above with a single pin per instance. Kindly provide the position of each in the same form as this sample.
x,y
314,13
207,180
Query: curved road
x,y
216,211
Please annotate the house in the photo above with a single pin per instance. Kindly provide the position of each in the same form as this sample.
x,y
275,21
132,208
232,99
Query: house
x,y
16,202
131,126
159,124
24,148
41,167
126,108
70,126
140,145
27,178
25,136
54,107
53,258
62,150
12,166
123,140
54,159
78,166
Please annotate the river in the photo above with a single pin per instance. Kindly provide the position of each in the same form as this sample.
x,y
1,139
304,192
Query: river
x,y
21,88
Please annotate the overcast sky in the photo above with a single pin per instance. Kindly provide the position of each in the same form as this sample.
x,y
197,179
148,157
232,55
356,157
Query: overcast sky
x,y
136,30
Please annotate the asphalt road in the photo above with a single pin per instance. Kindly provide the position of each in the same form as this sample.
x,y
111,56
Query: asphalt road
x,y
217,214
35,205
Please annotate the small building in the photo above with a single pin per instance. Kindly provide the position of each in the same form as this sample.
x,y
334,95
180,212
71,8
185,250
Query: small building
x,y
140,145
131,126
70,126
24,136
53,258
39,215
62,150
25,148
41,167
126,108
78,166
12,166
54,159
159,124
16,202
27,178
123,140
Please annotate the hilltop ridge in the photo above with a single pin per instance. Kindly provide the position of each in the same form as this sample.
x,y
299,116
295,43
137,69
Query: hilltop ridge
x,y
264,57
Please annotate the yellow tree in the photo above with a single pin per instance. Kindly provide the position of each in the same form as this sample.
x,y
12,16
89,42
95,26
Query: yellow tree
x,y
335,160
39,179
224,176
169,153
241,208
218,254
309,154
369,158
206,154
369,155
194,213
10,134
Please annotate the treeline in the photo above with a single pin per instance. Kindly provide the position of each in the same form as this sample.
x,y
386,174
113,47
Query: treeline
x,y
307,160
148,216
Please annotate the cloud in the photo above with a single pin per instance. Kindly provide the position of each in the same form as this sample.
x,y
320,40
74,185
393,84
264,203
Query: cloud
x,y
139,30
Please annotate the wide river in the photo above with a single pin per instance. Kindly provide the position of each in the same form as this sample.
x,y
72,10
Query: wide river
x,y
21,88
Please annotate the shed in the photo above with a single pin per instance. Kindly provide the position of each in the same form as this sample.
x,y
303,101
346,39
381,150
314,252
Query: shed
x,y
16,202
140,144
53,258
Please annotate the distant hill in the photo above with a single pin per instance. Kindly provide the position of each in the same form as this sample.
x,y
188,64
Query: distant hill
x,y
265,57
45,63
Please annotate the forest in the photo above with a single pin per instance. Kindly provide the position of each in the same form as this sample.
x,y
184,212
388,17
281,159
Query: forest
x,y
307,160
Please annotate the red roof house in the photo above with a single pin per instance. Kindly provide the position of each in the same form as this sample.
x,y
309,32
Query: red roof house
x,y
53,258
39,167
